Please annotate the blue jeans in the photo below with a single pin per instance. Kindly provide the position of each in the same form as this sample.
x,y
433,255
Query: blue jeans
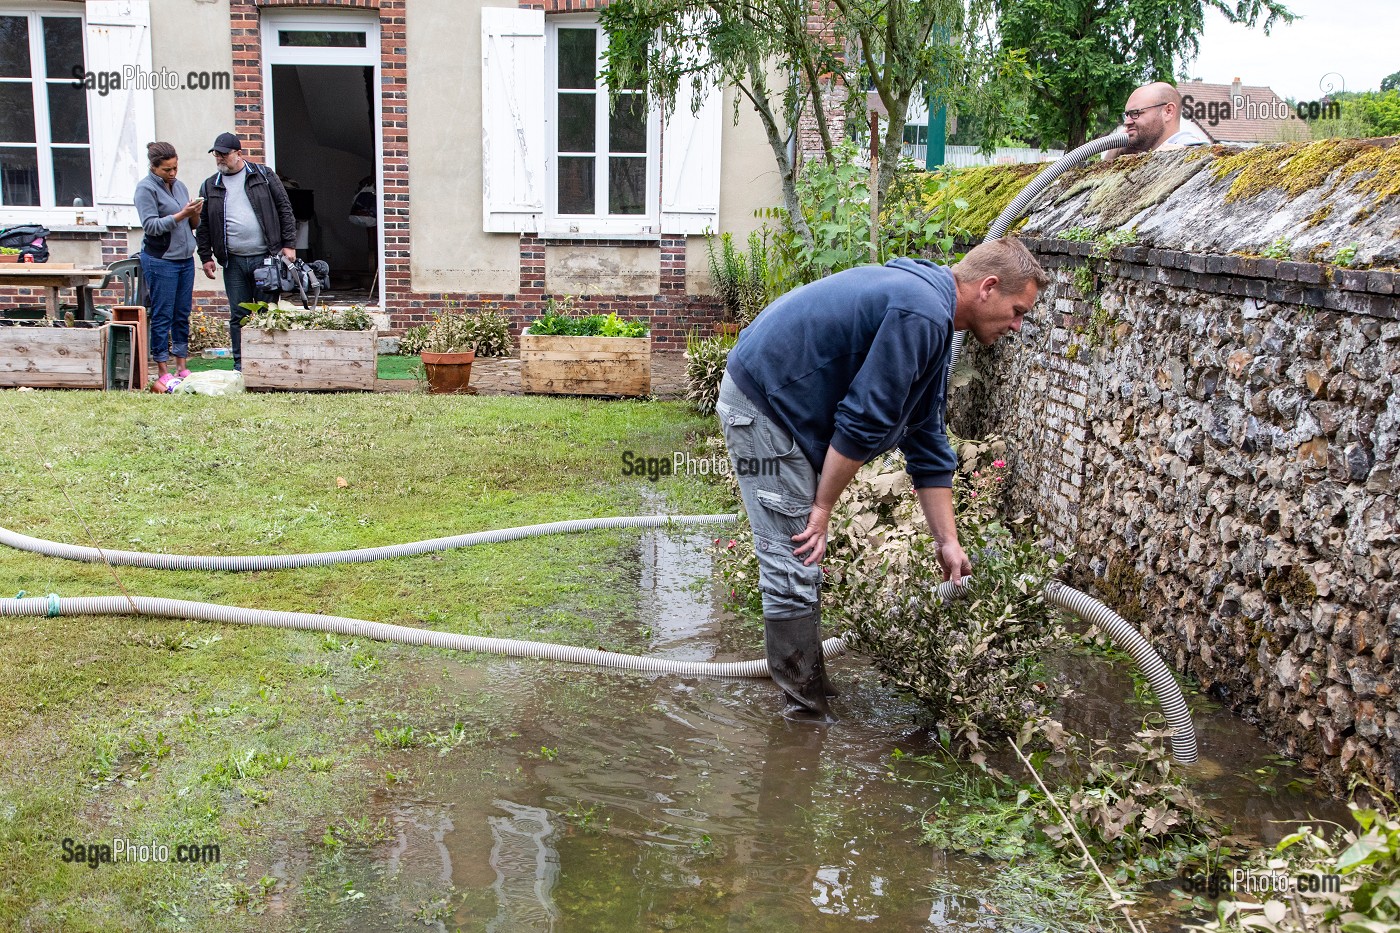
x,y
170,291
778,486
238,284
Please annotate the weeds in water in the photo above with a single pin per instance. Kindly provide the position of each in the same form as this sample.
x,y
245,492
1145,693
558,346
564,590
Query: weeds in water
x,y
587,819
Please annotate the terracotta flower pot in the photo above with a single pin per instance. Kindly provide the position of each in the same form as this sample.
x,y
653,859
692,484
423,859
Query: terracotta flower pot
x,y
729,328
9,257
449,373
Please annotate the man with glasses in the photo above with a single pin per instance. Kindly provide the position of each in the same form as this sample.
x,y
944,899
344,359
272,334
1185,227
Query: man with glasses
x,y
1152,120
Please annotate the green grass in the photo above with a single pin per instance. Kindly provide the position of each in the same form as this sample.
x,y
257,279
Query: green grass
x,y
390,367
258,740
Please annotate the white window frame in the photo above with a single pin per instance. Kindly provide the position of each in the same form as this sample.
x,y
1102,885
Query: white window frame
x,y
47,210
646,225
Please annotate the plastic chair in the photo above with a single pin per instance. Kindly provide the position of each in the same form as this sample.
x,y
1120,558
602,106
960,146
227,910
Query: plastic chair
x,y
128,272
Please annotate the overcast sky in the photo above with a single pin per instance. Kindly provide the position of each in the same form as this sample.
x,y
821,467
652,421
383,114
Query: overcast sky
x,y
1351,43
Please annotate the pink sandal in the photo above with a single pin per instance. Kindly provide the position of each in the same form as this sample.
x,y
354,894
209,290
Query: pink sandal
x,y
183,374
164,383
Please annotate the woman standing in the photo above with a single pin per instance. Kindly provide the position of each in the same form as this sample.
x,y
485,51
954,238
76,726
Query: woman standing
x,y
167,260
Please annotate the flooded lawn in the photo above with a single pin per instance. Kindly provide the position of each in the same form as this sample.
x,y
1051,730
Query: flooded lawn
x,y
625,801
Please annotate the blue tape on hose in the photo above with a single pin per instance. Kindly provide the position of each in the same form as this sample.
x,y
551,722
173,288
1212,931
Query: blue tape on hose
x,y
53,605
19,595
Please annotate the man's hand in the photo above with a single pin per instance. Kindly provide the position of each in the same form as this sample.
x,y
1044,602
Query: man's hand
x,y
953,559
209,268
812,539
290,253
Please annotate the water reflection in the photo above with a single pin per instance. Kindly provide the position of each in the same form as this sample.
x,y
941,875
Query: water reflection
x,y
623,801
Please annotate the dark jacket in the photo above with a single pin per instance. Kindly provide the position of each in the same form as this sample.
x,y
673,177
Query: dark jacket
x,y
858,361
270,203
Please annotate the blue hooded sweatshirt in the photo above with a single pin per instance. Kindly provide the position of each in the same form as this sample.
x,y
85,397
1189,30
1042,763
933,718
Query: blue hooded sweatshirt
x,y
858,361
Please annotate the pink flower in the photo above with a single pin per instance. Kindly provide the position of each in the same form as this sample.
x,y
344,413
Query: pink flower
x,y
974,495
732,544
976,473
999,464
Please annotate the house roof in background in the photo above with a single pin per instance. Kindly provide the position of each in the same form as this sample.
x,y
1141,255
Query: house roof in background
x,y
1262,124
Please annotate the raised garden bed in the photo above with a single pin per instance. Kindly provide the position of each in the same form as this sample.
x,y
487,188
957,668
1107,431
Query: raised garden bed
x,y
53,357
566,365
310,359
592,355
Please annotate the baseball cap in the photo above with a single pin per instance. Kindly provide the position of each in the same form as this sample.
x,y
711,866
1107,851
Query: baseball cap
x,y
226,143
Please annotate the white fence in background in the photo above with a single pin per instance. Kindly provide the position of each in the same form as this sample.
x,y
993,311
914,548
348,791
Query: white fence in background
x,y
968,156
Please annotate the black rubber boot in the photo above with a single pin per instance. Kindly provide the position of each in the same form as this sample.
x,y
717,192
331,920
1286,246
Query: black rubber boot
x,y
795,660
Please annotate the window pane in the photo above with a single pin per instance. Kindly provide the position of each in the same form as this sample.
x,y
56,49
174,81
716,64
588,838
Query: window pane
x,y
627,125
14,47
63,46
627,185
578,58
578,122
16,112
320,39
575,185
68,122
19,176
72,176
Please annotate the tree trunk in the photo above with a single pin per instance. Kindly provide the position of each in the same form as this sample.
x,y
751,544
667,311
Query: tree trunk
x,y
787,168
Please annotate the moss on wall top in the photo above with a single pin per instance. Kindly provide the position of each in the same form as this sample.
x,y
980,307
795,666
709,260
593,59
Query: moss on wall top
x,y
987,190
1334,195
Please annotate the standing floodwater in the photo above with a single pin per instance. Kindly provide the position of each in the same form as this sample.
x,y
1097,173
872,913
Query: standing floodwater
x,y
624,801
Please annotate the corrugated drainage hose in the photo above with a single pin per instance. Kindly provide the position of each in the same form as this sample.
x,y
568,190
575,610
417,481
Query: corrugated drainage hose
x,y
1087,608
1125,636
1026,197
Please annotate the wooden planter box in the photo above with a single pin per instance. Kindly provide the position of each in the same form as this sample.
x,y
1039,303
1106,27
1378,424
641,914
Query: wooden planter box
x,y
553,365
53,357
310,359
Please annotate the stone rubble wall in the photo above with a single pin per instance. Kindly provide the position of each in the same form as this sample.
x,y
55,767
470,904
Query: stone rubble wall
x,y
1215,435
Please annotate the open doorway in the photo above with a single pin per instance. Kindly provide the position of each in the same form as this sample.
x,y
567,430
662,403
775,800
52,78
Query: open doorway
x,y
321,75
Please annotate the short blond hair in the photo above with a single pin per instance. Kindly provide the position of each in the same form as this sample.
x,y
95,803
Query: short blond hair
x,y
1007,259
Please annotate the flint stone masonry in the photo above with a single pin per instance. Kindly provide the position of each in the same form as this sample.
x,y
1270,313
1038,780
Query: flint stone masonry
x,y
1215,437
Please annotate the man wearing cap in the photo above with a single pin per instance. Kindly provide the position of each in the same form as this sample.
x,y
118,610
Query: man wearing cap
x,y
246,218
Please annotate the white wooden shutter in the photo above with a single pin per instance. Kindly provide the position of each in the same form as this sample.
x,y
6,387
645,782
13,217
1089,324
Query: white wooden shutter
x,y
512,118
124,120
690,147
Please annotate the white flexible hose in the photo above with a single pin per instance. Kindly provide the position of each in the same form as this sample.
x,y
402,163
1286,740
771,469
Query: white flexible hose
x,y
1087,608
380,631
93,555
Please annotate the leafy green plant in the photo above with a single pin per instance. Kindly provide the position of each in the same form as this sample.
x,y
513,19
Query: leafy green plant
x,y
450,332
740,278
835,199
1282,248
1132,810
412,340
9,251
208,331
704,369
1346,255
1110,240
557,321
1077,234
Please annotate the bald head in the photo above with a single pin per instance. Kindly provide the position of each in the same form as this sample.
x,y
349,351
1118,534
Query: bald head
x,y
1152,116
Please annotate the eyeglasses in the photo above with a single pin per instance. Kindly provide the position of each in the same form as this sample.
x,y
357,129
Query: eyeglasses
x,y
1135,114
